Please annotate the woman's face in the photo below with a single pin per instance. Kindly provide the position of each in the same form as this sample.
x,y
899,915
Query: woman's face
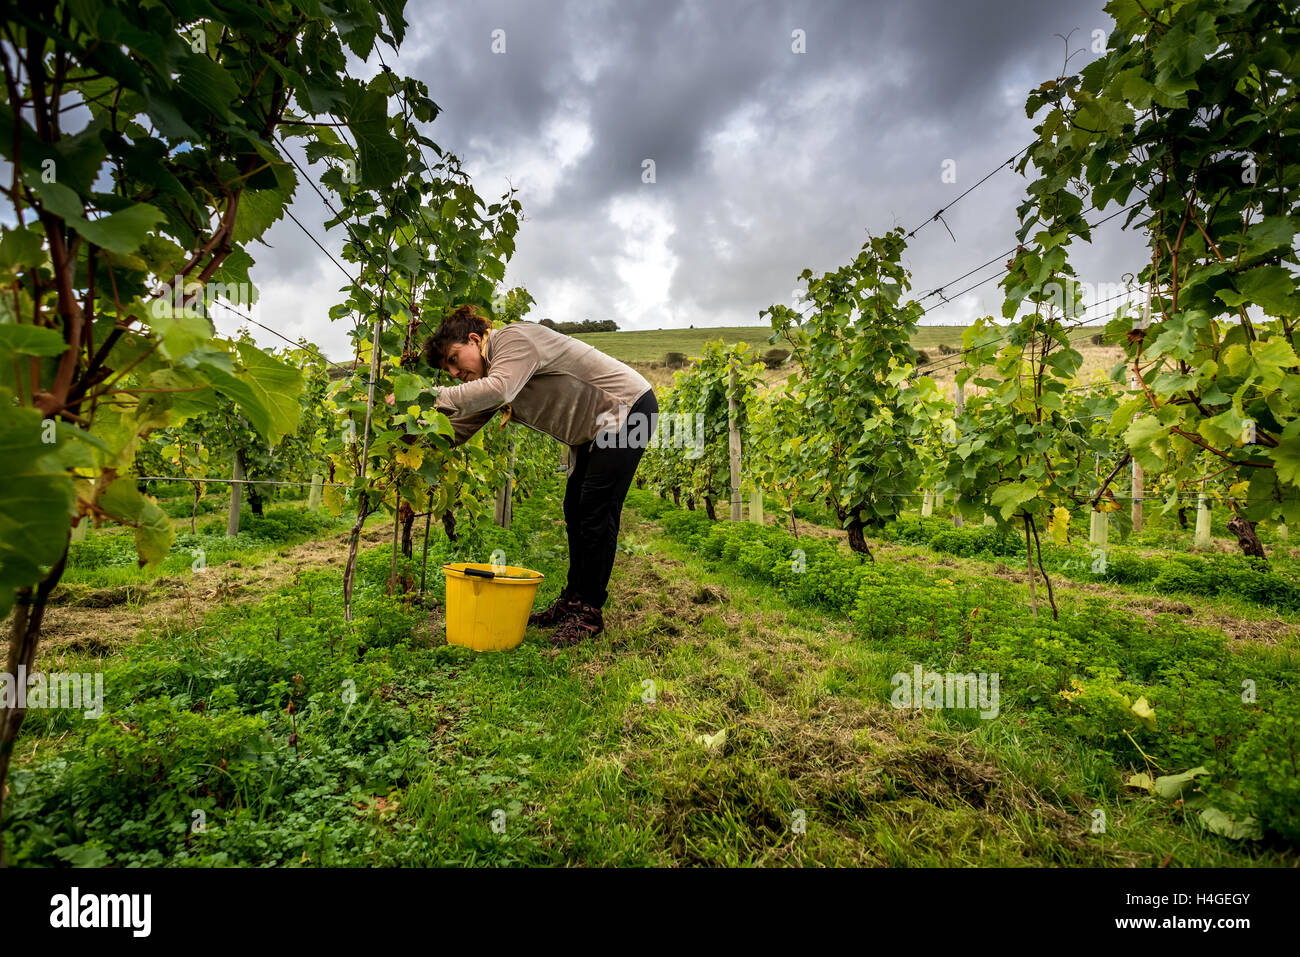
x,y
464,361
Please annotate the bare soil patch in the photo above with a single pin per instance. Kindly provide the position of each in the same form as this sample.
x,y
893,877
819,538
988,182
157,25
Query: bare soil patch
x,y
100,621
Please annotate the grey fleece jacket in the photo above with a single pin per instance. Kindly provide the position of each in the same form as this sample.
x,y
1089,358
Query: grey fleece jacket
x,y
553,383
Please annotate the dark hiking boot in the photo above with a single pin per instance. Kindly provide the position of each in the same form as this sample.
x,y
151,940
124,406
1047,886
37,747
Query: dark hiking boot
x,y
556,612
583,624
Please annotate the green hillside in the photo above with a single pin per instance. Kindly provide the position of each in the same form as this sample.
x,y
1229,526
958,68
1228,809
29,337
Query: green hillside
x,y
650,345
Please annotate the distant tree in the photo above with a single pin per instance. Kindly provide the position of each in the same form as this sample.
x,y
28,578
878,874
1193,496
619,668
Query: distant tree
x,y
774,358
586,325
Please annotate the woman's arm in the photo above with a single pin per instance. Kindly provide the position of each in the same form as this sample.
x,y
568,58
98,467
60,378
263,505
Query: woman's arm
x,y
466,425
514,360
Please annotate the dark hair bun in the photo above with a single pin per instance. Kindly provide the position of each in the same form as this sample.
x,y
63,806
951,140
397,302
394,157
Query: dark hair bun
x,y
465,320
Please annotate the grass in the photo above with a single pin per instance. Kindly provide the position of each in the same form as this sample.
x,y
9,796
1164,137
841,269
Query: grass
x,y
650,345
606,765
928,610
714,724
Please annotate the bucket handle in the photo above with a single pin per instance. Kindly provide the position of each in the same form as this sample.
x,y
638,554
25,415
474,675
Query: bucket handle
x,y
481,573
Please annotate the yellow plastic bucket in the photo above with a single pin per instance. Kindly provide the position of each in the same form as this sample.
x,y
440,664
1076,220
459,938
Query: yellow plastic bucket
x,y
488,605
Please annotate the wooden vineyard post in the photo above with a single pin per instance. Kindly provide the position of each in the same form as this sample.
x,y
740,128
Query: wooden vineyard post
x,y
505,497
1138,476
236,494
960,408
1138,480
315,495
733,443
1202,539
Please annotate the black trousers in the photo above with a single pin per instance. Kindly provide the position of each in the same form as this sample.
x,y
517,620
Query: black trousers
x,y
593,501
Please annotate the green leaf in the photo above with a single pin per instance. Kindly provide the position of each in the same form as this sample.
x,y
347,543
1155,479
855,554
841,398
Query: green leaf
x,y
80,156
409,258
1184,47
181,333
122,232
153,529
76,449
1224,824
1272,288
20,247
1144,713
1149,441
58,199
32,340
1140,781
1275,352
382,157
166,116
1270,233
1266,362
83,855
258,210
266,390
392,11
1286,456
1172,785
1222,430
209,84
36,501
713,742
407,387
1008,498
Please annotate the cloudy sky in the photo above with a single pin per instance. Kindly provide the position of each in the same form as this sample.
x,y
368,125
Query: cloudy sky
x,y
766,160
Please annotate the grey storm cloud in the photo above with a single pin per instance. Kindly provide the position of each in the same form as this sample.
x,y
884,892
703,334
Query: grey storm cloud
x,y
767,161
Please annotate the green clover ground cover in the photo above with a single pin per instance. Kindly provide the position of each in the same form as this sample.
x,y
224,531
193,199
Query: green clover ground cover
x,y
1235,713
1274,585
